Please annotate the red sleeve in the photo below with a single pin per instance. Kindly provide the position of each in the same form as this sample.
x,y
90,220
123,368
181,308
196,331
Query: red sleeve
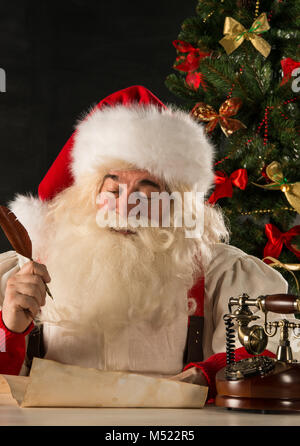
x,y
216,362
12,349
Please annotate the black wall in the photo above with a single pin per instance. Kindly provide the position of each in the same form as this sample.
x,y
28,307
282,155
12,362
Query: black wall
x,y
60,57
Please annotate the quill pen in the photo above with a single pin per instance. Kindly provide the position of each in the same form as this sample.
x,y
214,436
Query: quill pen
x,y
17,235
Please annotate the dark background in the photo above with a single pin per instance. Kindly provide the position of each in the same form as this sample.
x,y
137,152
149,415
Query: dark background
x,y
61,57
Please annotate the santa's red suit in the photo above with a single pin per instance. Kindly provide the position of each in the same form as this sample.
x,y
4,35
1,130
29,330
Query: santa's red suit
x,y
187,155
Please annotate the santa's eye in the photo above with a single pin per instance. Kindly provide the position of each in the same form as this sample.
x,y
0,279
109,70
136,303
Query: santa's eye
x,y
142,196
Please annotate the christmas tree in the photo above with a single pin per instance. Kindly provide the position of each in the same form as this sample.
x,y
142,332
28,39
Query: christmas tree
x,y
237,72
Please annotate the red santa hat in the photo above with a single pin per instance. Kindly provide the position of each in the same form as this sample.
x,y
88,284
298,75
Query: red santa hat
x,y
131,125
64,170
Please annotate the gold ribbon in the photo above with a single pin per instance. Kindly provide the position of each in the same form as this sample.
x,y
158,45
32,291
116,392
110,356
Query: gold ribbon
x,y
236,33
291,190
287,266
206,113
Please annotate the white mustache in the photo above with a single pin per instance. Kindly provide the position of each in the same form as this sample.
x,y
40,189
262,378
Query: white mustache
x,y
111,219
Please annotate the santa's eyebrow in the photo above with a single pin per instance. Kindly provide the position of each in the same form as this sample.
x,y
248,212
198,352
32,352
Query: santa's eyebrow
x,y
144,182
109,175
147,182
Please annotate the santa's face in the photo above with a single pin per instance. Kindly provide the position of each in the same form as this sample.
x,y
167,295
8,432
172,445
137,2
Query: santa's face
x,y
107,277
130,187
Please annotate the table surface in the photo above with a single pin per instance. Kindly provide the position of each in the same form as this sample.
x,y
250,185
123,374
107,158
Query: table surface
x,y
12,415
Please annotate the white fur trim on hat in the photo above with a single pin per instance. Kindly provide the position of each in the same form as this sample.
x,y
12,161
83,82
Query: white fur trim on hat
x,y
169,143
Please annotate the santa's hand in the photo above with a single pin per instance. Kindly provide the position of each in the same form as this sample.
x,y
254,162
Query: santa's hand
x,y
192,376
24,295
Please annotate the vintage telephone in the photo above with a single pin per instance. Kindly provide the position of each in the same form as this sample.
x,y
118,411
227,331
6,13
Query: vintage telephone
x,y
260,383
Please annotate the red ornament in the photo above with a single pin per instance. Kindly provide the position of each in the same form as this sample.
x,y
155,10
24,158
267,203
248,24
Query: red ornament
x,y
189,63
195,79
238,178
276,240
288,65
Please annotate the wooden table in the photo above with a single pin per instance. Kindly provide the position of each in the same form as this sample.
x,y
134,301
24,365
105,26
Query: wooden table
x,y
12,415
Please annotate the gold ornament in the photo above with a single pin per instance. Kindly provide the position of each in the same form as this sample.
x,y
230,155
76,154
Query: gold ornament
x,y
287,266
207,17
206,113
236,33
291,190
256,8
266,211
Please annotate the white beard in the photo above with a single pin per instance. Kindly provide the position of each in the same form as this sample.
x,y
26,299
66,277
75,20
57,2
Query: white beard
x,y
103,280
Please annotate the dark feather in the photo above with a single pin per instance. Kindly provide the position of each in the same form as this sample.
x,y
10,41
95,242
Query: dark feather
x,y
15,232
17,235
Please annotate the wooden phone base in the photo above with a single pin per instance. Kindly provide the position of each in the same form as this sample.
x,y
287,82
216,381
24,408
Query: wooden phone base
x,y
278,390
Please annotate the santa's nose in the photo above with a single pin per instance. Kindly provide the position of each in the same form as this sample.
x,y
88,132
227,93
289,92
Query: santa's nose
x,y
123,204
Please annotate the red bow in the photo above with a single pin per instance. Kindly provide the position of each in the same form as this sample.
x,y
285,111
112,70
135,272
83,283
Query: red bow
x,y
191,61
238,178
288,65
196,79
276,239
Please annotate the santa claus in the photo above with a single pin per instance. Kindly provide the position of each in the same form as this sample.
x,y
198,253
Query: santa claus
x,y
126,296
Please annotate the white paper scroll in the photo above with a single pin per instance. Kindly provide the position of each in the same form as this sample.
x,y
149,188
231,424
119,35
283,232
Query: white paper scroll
x,y
52,384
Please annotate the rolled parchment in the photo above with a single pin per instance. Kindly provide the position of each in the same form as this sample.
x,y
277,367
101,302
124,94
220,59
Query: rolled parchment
x,y
52,384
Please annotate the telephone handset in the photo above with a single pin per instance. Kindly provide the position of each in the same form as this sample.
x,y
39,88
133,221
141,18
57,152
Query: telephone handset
x,y
260,382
